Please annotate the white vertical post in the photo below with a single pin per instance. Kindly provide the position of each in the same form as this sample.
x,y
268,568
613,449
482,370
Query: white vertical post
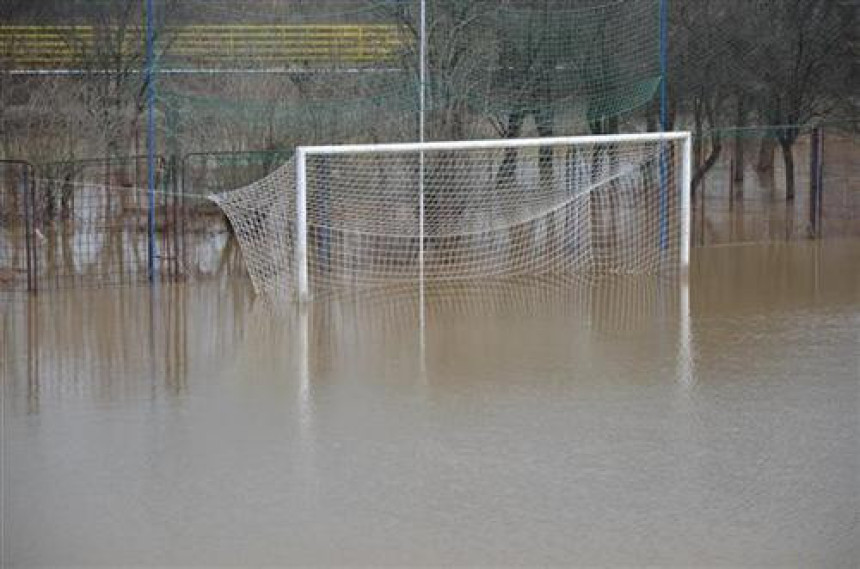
x,y
421,104
305,406
686,198
422,72
685,370
150,135
301,226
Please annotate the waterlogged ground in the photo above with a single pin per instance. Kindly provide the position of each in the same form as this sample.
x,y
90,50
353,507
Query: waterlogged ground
x,y
631,422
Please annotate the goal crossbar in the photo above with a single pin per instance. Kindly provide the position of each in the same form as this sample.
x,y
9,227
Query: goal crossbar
x,y
493,143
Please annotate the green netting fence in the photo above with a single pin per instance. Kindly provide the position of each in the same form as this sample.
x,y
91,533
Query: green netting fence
x,y
322,75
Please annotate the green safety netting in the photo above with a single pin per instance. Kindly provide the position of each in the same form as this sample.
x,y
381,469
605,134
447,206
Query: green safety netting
x,y
540,67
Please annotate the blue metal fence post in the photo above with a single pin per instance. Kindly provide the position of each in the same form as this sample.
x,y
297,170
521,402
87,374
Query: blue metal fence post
x,y
664,123
150,133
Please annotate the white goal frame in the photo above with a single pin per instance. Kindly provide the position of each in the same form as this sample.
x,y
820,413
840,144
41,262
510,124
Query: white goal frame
x,y
303,152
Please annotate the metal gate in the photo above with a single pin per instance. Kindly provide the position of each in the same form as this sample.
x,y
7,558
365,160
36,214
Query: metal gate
x,y
87,223
17,252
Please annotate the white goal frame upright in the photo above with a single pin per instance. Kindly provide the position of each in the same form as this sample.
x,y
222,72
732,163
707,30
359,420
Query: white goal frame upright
x,y
303,152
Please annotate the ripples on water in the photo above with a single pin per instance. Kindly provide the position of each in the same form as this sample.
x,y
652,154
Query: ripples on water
x,y
619,421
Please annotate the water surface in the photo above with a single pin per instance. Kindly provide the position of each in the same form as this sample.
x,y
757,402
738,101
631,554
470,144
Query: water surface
x,y
581,423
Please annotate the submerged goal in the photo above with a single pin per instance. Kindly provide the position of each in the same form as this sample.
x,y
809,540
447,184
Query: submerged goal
x,y
371,214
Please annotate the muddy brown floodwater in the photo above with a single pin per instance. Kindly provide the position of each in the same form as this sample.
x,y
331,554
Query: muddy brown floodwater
x,y
619,422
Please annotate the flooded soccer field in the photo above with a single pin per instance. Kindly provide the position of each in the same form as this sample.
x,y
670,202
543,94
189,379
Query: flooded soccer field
x,y
615,422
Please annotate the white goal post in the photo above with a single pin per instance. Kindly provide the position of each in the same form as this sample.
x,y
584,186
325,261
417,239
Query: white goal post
x,y
349,215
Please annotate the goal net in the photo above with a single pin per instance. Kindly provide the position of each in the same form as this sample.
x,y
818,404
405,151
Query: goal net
x,y
355,215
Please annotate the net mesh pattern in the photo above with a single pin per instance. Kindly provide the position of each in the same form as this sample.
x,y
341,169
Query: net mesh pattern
x,y
350,72
556,209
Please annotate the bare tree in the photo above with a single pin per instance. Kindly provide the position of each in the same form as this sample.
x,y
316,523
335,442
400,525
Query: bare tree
x,y
802,64
701,75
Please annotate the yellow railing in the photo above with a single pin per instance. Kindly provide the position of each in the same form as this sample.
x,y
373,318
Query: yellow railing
x,y
53,47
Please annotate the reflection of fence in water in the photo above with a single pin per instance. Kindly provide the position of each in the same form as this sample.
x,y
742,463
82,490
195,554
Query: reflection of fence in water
x,y
118,344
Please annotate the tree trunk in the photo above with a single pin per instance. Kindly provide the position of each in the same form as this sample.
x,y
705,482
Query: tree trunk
x,y
507,169
788,158
603,125
765,155
652,117
703,168
544,122
698,142
704,162
739,151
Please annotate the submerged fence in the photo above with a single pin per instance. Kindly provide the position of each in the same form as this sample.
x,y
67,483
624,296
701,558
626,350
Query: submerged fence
x,y
18,260
85,222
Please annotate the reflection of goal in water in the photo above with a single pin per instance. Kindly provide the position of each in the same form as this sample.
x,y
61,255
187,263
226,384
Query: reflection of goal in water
x,y
499,327
360,215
